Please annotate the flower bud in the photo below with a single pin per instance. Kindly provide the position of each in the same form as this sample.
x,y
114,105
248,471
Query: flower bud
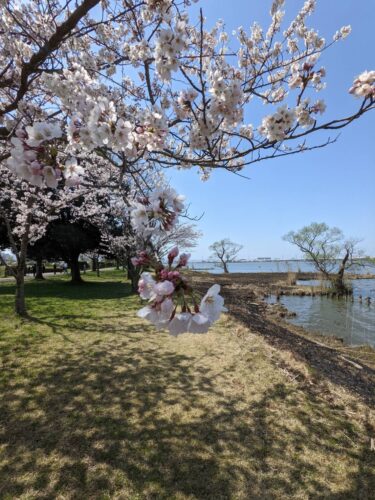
x,y
184,259
172,255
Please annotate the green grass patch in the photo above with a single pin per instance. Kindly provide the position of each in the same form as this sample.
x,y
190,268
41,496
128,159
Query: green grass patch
x,y
94,403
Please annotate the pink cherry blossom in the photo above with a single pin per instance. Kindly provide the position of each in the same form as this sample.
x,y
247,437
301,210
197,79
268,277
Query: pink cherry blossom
x,y
172,255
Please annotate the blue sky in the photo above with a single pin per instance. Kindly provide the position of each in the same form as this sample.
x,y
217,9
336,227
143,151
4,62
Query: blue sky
x,y
335,184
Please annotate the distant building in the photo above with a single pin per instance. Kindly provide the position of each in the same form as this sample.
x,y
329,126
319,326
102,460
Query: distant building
x,y
264,258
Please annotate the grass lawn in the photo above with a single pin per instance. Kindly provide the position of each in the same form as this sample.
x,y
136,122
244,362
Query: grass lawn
x,y
2,271
95,404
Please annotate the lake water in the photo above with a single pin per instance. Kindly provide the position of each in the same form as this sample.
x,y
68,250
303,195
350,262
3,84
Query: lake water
x,y
270,266
354,322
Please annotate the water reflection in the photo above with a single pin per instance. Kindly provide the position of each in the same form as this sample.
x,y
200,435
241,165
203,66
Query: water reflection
x,y
353,321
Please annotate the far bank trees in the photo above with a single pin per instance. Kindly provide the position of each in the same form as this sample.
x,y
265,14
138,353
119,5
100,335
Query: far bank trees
x,y
329,250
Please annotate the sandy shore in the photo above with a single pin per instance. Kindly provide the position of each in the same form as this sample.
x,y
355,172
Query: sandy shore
x,y
350,367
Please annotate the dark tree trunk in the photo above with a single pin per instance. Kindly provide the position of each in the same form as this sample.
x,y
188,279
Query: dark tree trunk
x,y
75,271
96,265
339,285
225,267
133,275
39,269
19,274
20,304
117,264
338,280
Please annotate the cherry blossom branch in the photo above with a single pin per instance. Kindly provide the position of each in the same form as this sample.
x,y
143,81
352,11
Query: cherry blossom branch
x,y
51,45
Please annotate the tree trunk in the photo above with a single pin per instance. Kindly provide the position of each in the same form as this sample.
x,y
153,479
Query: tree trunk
x,y
20,304
225,266
339,285
96,265
39,269
75,271
133,275
338,280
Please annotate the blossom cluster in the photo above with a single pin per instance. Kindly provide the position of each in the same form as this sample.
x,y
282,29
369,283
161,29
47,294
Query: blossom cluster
x,y
224,111
172,303
156,213
185,102
275,127
364,85
342,33
154,8
227,99
96,121
305,112
306,74
34,156
170,43
104,128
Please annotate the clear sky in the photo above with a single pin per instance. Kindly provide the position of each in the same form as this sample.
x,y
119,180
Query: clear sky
x,y
335,184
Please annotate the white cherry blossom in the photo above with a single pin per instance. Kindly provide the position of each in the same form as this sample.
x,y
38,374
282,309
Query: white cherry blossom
x,y
212,304
42,131
164,288
146,286
72,172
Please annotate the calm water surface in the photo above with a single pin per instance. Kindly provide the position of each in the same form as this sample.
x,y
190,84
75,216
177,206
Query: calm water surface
x,y
354,322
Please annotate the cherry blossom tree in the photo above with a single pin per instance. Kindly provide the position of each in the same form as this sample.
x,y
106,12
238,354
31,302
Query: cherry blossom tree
x,y
25,212
75,73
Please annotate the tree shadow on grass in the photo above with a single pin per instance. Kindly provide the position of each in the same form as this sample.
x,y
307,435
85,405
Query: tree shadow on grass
x,y
89,290
122,418
80,324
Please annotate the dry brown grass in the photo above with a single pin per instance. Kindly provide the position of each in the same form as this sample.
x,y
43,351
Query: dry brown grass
x,y
291,278
95,404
